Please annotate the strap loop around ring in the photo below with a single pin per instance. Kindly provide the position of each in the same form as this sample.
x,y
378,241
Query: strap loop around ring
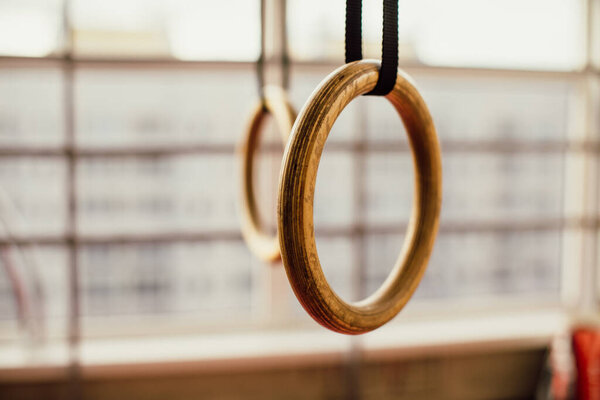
x,y
389,46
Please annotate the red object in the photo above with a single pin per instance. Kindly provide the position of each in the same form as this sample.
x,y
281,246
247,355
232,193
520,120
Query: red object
x,y
586,347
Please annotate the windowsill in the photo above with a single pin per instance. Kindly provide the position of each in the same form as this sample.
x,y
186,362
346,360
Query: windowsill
x,y
260,349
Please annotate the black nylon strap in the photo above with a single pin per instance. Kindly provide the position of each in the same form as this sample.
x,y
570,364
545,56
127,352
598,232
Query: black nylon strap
x,y
353,30
389,48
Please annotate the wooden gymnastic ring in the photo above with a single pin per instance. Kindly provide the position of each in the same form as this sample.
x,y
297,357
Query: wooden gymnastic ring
x,y
296,197
275,103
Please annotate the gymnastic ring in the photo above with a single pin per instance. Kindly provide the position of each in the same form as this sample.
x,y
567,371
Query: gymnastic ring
x,y
296,197
275,103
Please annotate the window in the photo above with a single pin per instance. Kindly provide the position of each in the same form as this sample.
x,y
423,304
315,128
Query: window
x,y
118,165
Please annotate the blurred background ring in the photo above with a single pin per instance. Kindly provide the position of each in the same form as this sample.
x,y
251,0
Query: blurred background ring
x,y
276,103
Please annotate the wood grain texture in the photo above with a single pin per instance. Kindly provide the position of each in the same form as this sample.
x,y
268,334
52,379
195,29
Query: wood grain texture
x,y
276,103
296,197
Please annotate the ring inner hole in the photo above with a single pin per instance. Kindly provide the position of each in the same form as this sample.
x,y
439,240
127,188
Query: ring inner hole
x,y
363,197
267,162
